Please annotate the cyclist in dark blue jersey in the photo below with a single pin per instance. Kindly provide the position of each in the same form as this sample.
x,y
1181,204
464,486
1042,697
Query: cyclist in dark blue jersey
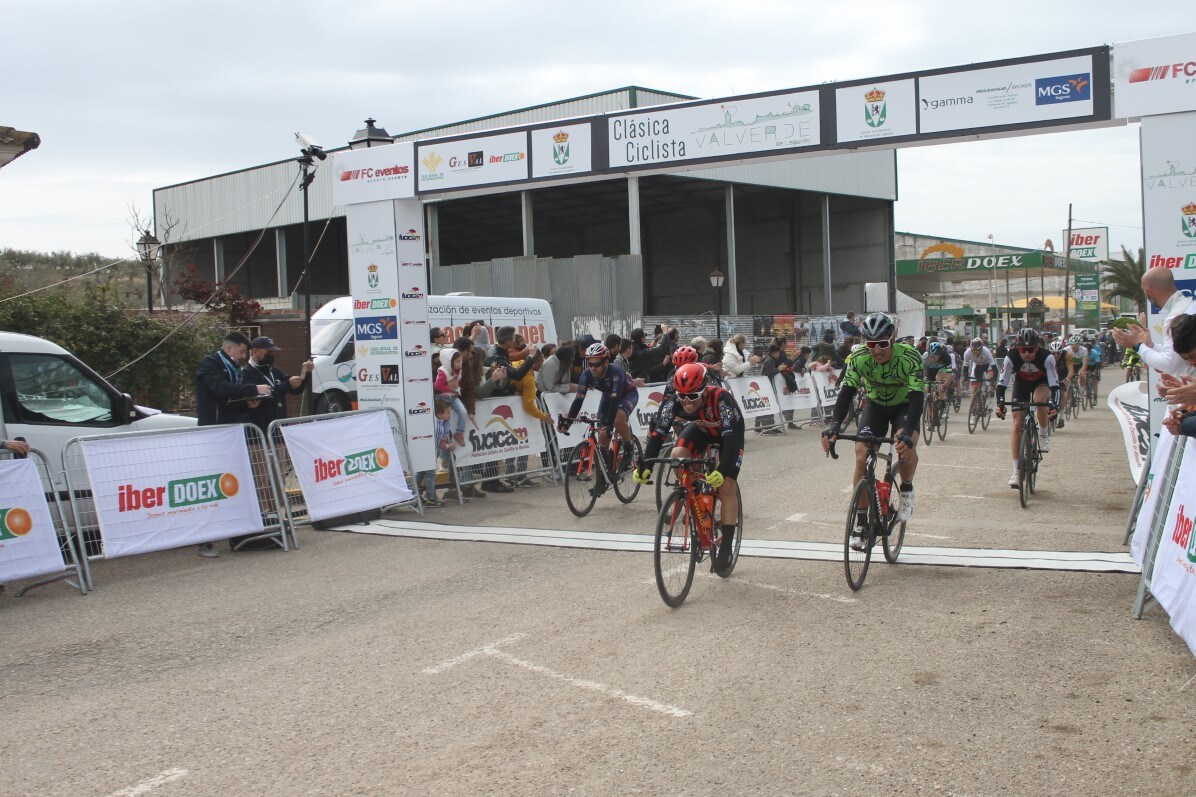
x,y
619,395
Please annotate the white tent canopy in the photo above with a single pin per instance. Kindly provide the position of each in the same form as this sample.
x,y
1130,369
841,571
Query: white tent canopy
x,y
911,314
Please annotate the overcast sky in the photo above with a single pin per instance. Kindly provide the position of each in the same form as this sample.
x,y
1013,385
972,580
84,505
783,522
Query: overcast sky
x,y
128,96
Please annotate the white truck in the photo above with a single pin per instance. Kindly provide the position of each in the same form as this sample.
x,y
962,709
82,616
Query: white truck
x,y
334,382
48,397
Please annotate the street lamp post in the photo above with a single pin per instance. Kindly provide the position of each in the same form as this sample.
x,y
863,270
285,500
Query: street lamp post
x,y
147,247
309,151
716,281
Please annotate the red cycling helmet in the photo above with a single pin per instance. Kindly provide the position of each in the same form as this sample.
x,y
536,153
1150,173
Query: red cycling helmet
x,y
690,378
685,354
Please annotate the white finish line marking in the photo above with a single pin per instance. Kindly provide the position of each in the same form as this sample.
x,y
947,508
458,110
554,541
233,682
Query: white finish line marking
x,y
493,650
146,786
944,465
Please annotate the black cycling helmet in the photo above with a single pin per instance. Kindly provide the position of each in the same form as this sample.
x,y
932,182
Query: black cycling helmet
x,y
1027,337
877,326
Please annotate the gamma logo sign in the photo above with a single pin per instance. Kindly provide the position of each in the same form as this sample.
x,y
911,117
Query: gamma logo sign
x,y
179,494
503,436
1065,88
358,464
15,522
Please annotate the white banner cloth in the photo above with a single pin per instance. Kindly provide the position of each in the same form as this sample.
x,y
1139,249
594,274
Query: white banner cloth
x,y
346,465
803,399
503,429
755,396
559,403
28,542
155,492
1150,497
651,397
828,392
1174,582
1128,402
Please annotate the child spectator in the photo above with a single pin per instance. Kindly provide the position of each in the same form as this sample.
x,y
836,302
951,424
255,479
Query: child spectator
x,y
426,480
448,389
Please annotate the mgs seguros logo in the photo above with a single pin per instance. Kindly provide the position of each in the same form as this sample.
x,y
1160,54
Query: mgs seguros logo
x,y
1065,88
15,522
383,327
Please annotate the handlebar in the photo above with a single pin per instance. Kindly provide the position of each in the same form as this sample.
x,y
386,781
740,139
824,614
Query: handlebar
x,y
867,439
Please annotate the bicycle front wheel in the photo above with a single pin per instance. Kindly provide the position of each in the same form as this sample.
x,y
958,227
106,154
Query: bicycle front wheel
x,y
581,479
717,515
626,487
1025,463
975,410
855,562
675,553
666,480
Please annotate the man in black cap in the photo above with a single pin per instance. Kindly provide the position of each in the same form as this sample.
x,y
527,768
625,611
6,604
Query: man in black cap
x,y
261,370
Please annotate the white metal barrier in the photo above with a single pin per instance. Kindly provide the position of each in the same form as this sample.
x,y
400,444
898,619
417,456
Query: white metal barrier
x,y
36,539
331,466
137,492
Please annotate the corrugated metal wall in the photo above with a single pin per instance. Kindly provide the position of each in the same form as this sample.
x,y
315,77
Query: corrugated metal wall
x,y
590,293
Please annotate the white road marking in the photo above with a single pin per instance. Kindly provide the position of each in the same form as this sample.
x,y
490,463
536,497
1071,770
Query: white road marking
x,y
978,448
789,591
973,497
967,467
797,517
493,650
928,536
453,662
146,786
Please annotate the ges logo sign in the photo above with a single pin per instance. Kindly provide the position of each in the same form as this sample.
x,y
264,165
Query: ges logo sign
x,y
383,327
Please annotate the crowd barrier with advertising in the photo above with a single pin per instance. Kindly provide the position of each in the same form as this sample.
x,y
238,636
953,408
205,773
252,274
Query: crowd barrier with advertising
x,y
1163,542
505,441
36,542
138,492
332,466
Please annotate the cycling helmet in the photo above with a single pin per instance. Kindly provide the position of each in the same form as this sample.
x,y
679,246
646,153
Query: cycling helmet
x,y
1027,337
877,326
598,350
935,348
685,354
1056,346
976,344
690,378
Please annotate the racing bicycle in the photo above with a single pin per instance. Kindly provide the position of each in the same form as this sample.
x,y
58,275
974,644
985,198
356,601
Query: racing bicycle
x,y
980,413
936,415
587,474
688,530
1029,450
883,503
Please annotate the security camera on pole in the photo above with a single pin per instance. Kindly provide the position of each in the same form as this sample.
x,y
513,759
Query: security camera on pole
x,y
310,152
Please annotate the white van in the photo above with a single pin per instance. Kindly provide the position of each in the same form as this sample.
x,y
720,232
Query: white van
x,y
334,382
47,397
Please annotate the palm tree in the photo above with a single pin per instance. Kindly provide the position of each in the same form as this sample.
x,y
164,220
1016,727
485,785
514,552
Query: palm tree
x,y
1124,278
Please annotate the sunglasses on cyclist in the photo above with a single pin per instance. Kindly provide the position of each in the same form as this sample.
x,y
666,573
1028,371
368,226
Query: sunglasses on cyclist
x,y
595,363
691,396
878,344
1027,349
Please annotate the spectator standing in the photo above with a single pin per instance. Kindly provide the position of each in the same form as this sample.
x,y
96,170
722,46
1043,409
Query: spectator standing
x,y
848,326
825,347
425,480
472,377
220,391
736,360
440,340
526,387
713,360
770,367
261,370
448,389
1159,286
556,374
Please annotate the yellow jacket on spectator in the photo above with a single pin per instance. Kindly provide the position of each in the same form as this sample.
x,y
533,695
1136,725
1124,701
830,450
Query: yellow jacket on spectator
x,y
527,388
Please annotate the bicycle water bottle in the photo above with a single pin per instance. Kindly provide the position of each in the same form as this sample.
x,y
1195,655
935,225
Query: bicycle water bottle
x,y
883,489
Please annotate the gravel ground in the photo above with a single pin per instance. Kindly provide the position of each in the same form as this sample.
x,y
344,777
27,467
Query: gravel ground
x,y
367,665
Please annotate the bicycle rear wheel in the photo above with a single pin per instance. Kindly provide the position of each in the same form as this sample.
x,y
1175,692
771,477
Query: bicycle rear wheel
x,y
579,495
928,422
855,563
987,415
944,414
675,551
627,488
716,514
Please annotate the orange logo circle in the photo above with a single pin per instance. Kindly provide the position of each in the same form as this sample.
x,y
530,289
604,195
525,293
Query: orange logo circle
x,y
229,485
18,522
382,457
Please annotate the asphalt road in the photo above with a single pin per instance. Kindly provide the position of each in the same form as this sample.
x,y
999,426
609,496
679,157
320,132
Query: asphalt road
x,y
370,665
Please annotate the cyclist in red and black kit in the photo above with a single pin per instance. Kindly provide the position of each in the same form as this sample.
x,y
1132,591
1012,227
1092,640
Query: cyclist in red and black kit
x,y
1035,378
713,418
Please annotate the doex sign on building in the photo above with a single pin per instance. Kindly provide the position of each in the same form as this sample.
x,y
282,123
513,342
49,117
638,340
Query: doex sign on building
x,y
28,542
346,465
150,498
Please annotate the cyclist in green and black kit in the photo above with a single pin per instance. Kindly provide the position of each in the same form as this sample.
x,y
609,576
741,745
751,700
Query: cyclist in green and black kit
x,y
892,377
